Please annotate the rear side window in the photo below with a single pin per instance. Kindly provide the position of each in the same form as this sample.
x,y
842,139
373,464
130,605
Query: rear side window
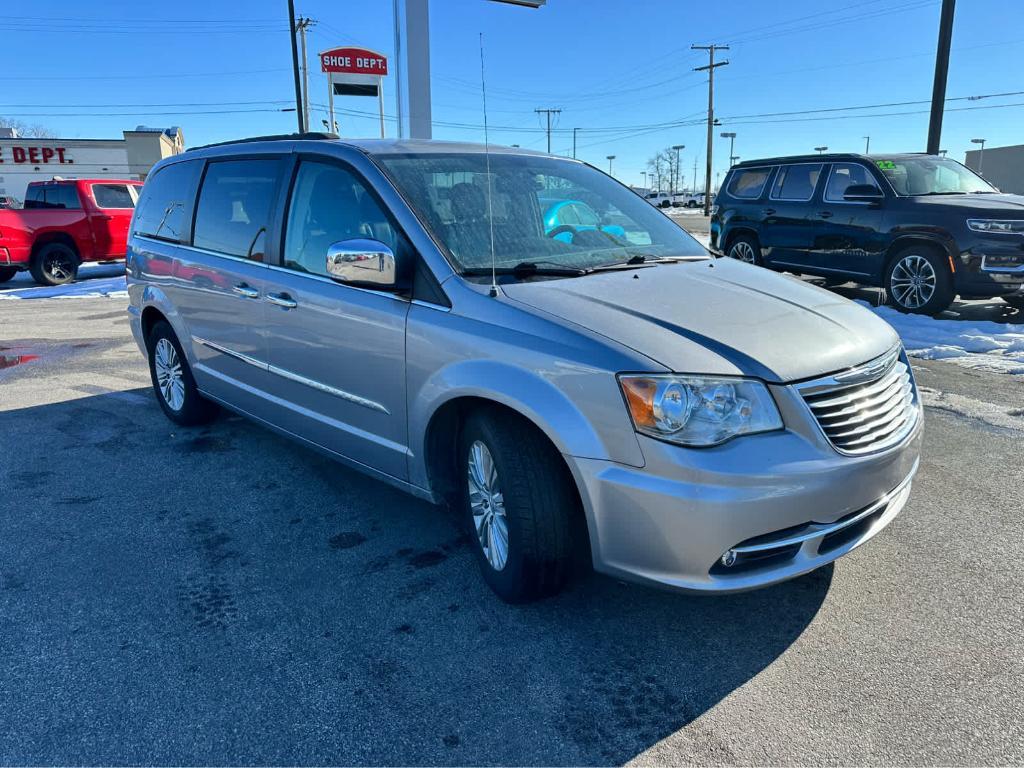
x,y
796,182
112,196
53,196
748,183
233,211
165,206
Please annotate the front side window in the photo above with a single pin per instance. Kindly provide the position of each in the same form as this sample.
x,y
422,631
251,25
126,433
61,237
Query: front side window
x,y
165,205
329,204
233,211
796,182
845,175
112,196
749,182
930,175
452,197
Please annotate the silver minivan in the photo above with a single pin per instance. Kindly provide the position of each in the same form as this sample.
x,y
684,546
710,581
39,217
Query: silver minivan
x,y
603,387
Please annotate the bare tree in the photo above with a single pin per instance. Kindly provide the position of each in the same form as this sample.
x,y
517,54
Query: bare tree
x,y
29,131
662,167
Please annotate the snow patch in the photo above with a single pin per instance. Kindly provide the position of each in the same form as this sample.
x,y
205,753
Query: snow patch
x,y
110,287
984,345
961,405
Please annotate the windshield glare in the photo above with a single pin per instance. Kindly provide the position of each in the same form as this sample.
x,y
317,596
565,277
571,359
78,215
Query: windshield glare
x,y
931,176
546,211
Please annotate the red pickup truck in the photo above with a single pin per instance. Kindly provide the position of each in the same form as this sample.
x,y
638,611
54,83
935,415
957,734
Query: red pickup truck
x,y
63,223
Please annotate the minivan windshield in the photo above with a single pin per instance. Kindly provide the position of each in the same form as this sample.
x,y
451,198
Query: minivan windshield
x,y
547,213
930,175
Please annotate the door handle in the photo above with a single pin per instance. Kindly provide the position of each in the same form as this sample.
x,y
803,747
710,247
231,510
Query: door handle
x,y
245,290
825,214
768,211
282,300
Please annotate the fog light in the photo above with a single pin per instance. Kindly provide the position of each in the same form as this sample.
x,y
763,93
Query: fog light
x,y
729,558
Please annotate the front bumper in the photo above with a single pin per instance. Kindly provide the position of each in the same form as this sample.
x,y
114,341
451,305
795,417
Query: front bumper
x,y
784,502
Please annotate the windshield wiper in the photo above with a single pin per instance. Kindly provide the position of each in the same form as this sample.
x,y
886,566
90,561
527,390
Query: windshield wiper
x,y
526,269
950,192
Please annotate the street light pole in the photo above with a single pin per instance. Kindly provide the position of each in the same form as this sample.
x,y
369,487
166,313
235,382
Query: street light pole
x,y
731,136
821,150
675,171
981,154
574,143
610,158
867,145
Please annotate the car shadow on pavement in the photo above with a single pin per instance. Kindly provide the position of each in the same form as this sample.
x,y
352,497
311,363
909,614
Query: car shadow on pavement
x,y
221,595
993,310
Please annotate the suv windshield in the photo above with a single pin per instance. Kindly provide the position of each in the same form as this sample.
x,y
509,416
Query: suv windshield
x,y
930,175
545,211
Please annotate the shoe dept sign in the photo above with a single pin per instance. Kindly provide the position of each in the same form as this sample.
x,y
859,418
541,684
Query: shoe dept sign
x,y
354,72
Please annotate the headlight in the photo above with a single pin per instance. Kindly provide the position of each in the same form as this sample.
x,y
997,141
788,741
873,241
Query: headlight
x,y
1010,226
698,410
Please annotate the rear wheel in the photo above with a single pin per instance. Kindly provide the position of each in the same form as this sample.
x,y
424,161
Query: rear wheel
x,y
173,384
919,280
516,500
1016,301
6,273
54,264
745,248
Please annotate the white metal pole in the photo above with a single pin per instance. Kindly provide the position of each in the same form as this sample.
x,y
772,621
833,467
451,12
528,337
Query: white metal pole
x,y
380,103
330,102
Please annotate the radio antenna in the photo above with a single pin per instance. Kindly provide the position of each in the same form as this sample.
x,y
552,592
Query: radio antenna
x,y
487,159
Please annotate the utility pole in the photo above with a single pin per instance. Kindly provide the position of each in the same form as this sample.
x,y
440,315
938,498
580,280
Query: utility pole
x,y
675,170
574,143
694,189
549,113
867,145
302,25
941,72
295,65
711,66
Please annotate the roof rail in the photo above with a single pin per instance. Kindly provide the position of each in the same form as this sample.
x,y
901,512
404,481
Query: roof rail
x,y
308,136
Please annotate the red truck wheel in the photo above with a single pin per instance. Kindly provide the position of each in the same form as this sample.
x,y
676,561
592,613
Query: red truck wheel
x,y
54,264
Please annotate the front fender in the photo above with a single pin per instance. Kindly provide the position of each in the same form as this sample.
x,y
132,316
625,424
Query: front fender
x,y
604,431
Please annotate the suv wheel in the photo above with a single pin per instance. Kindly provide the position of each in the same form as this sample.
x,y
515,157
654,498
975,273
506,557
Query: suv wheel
x,y
745,248
54,264
919,280
1016,301
173,384
6,273
516,502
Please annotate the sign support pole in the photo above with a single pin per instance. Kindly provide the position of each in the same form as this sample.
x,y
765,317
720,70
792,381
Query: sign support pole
x,y
380,105
330,104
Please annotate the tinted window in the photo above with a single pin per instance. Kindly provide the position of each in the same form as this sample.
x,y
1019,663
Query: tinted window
x,y
796,182
165,206
112,196
34,197
53,196
844,175
233,211
748,183
330,204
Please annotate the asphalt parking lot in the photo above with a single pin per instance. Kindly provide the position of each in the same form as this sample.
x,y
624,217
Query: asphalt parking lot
x,y
220,595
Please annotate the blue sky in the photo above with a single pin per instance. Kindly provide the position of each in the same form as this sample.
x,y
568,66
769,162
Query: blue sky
x,y
618,69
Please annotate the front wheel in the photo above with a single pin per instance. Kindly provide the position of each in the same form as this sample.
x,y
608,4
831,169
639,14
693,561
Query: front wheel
x,y
516,500
54,264
173,384
745,248
919,280
6,273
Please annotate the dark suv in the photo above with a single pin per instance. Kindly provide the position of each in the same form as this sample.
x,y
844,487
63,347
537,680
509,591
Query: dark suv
x,y
925,228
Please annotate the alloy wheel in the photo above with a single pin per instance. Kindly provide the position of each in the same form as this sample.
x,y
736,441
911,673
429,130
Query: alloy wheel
x,y
487,504
913,281
59,267
169,377
743,251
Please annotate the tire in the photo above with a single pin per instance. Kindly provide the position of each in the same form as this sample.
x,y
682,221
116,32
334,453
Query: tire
x,y
178,395
918,280
6,273
745,248
534,501
54,264
1016,301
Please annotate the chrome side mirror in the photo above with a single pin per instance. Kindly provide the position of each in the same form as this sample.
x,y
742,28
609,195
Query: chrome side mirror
x,y
365,262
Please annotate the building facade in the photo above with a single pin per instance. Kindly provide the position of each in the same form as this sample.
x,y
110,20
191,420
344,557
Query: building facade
x,y
23,160
1002,166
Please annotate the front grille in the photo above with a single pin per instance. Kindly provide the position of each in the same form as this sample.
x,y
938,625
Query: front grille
x,y
867,409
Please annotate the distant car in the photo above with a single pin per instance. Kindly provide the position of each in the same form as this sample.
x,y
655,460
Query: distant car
x,y
564,218
659,199
63,223
923,227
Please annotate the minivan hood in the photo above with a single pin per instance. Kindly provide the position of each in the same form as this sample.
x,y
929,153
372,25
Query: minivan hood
x,y
719,317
